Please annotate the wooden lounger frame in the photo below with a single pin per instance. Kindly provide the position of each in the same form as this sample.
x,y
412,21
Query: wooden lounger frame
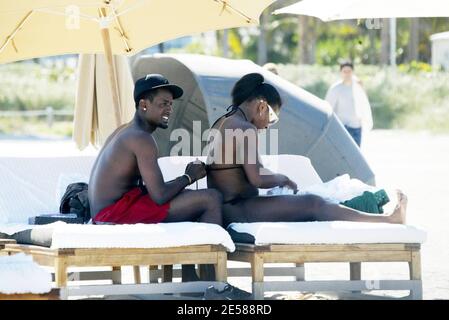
x,y
4,242
355,254
62,259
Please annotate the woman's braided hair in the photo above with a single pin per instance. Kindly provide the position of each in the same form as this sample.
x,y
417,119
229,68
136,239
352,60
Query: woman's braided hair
x,y
253,86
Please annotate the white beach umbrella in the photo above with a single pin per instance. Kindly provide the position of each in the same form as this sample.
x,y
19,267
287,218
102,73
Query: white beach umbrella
x,y
93,119
328,10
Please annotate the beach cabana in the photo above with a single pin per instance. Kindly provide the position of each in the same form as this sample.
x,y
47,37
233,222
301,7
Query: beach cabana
x,y
307,125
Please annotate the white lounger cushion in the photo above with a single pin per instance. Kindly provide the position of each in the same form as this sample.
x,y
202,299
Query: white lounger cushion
x,y
160,235
20,274
329,232
28,185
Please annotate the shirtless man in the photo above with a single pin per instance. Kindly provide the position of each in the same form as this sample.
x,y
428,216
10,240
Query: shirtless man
x,y
128,160
256,105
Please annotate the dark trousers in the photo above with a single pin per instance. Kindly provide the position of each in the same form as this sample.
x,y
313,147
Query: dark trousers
x,y
356,134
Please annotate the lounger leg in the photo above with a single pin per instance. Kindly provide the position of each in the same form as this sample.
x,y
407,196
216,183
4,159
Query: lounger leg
x,y
116,275
61,272
136,271
257,276
300,272
221,271
355,272
415,274
153,274
167,274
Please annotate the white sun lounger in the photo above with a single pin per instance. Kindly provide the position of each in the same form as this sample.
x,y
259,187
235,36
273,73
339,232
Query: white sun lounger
x,y
298,243
328,243
338,241
316,242
29,188
164,244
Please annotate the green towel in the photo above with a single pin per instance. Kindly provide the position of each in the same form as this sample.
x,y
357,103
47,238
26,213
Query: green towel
x,y
369,202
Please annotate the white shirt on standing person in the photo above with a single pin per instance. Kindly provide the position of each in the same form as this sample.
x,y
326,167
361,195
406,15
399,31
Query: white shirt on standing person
x,y
350,102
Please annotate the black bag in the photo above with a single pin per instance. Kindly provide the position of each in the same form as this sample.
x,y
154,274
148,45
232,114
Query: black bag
x,y
75,200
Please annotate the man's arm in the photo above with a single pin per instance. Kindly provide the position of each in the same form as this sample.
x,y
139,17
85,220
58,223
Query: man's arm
x,y
146,152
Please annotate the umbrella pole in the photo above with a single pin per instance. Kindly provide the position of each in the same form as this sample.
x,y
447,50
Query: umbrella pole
x,y
111,70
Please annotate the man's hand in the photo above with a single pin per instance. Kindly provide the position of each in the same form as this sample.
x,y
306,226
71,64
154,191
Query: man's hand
x,y
196,170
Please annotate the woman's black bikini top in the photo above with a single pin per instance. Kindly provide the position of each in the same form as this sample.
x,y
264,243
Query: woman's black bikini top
x,y
233,110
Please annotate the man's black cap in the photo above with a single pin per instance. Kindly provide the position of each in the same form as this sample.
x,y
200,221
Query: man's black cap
x,y
155,81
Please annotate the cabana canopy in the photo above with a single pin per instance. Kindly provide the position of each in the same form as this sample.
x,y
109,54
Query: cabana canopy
x,y
307,124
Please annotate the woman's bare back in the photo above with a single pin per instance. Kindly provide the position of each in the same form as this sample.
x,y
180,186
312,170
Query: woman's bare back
x,y
229,178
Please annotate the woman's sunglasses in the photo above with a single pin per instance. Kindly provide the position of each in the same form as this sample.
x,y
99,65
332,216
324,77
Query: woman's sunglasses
x,y
272,116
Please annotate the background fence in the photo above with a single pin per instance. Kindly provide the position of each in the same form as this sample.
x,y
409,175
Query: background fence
x,y
49,113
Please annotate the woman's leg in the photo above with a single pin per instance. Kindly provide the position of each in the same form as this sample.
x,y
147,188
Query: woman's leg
x,y
291,208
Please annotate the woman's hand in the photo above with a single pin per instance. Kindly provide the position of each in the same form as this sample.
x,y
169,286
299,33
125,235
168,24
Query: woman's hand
x,y
286,182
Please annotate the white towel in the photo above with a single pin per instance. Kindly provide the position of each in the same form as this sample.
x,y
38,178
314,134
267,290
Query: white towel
x,y
11,228
329,232
20,274
337,190
160,235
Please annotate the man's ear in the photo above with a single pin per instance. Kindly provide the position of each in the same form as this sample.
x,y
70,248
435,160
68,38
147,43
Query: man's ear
x,y
142,105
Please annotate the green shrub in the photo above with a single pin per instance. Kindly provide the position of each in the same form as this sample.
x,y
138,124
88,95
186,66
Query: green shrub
x,y
35,127
412,97
414,67
29,86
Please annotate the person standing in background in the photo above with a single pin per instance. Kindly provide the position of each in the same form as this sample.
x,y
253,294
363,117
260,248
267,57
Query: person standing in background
x,y
350,103
270,66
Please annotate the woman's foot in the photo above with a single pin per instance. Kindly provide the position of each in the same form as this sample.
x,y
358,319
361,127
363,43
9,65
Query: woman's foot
x,y
399,213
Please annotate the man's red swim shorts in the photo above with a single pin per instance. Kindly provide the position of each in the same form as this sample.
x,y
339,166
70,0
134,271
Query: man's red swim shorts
x,y
133,207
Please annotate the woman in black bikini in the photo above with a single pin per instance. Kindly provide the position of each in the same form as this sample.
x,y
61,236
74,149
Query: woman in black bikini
x,y
256,105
